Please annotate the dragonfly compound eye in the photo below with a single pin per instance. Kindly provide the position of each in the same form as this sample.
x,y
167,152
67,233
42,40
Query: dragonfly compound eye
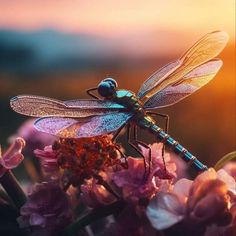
x,y
107,87
111,81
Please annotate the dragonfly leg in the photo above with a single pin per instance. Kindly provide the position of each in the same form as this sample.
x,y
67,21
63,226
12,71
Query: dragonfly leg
x,y
145,146
166,129
117,148
116,134
137,149
125,165
89,92
166,117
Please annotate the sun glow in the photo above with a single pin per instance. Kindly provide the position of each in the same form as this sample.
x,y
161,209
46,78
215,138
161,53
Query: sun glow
x,y
118,16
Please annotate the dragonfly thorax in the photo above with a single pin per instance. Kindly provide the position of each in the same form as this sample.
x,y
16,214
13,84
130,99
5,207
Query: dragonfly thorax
x,y
129,99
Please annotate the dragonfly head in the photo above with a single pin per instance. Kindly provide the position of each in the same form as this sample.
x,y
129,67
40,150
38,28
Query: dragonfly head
x,y
107,87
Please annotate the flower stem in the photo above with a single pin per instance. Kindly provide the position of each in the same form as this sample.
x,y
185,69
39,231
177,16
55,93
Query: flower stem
x,y
93,216
13,189
228,157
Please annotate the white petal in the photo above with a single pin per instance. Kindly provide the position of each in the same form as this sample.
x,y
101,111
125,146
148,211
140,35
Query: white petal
x,y
165,210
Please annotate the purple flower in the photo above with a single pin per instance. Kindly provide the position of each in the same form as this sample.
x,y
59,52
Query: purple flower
x,y
34,139
12,157
198,204
47,209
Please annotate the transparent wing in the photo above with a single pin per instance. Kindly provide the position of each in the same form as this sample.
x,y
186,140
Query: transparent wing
x,y
188,85
42,106
204,50
84,127
156,77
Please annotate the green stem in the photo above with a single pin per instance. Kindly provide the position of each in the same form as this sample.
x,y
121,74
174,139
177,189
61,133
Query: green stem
x,y
13,189
228,157
93,216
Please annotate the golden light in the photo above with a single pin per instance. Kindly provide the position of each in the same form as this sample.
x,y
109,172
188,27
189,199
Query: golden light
x,y
119,16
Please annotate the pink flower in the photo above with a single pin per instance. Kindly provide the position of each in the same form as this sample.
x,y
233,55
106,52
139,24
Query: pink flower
x,y
132,181
158,168
34,139
75,160
12,157
230,168
200,203
95,195
48,160
47,209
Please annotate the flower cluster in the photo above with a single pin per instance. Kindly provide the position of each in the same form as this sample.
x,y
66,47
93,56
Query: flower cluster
x,y
47,210
90,182
202,205
78,159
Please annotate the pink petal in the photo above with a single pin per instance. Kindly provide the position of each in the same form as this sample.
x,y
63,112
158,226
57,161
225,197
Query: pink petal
x,y
197,185
144,150
165,210
230,168
208,207
12,157
210,174
156,149
182,187
229,180
15,160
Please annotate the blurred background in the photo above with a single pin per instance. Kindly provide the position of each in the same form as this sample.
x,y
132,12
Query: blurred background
x,y
59,48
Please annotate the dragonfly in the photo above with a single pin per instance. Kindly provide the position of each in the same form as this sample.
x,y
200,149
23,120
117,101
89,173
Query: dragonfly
x,y
116,108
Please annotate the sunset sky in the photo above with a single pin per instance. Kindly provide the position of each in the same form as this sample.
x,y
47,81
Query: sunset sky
x,y
117,17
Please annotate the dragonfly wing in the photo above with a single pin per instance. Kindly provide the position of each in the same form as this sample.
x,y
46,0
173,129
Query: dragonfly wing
x,y
84,127
55,125
204,50
41,106
189,84
88,103
156,77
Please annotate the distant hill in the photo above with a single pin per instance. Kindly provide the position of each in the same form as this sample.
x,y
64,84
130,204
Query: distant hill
x,y
45,50
48,50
